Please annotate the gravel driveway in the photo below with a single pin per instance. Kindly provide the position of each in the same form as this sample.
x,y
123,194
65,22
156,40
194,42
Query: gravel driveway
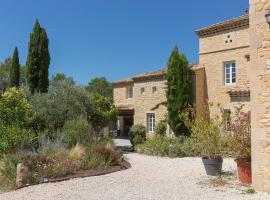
x,y
149,178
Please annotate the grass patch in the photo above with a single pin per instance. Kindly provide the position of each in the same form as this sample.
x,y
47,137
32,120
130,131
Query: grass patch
x,y
249,190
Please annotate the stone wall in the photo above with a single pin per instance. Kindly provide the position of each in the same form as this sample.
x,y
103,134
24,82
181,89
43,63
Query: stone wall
x,y
214,52
260,94
119,95
235,38
145,103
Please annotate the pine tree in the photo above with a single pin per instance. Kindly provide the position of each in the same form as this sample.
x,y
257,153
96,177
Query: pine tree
x,y
14,72
178,92
38,60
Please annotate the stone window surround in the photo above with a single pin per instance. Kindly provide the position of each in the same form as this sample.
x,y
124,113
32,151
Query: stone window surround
x,y
150,125
231,83
154,89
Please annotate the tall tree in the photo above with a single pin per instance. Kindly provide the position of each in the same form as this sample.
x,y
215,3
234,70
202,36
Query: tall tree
x,y
100,86
14,72
179,90
38,60
4,74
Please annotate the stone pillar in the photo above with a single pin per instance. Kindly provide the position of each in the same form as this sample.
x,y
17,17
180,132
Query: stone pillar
x,y
260,94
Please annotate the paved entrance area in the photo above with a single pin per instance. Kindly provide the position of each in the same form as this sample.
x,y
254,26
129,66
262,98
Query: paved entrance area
x,y
150,178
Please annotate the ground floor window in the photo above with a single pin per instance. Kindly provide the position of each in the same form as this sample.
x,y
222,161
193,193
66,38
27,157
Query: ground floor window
x,y
150,122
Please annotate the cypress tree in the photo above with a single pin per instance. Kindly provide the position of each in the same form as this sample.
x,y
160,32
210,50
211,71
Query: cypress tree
x,y
14,72
38,60
178,92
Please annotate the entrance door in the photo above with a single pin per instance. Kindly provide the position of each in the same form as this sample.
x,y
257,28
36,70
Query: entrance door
x,y
128,122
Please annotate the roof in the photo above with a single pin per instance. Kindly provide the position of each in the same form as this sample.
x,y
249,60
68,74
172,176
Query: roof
x,y
242,21
150,75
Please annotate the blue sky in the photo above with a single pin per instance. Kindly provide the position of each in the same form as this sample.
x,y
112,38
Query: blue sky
x,y
111,38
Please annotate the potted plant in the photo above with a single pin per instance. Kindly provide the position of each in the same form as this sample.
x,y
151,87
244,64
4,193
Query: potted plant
x,y
208,134
240,144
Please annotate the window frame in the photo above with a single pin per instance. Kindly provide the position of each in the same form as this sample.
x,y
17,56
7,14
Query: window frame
x,y
129,92
142,91
154,89
150,122
229,68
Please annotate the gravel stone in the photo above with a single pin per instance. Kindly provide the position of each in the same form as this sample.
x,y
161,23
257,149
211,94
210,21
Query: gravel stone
x,y
149,178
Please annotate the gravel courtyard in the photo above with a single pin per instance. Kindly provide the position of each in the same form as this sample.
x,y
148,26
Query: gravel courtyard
x,y
149,178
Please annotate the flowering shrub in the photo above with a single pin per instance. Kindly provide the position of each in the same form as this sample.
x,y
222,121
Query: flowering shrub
x,y
240,140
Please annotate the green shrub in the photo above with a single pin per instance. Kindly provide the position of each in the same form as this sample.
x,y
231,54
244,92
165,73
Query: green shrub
x,y
64,101
14,109
137,134
161,128
77,131
172,147
13,138
9,168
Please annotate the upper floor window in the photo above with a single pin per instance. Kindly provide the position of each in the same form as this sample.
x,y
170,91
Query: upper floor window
x,y
230,73
142,90
154,89
129,92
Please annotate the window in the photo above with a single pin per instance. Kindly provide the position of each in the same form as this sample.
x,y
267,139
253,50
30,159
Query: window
x,y
150,122
230,73
142,90
129,92
154,89
227,119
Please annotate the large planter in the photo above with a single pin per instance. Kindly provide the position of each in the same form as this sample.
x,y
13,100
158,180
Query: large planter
x,y
212,166
244,171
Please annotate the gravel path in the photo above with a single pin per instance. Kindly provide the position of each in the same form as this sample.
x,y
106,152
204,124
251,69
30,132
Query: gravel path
x,y
149,178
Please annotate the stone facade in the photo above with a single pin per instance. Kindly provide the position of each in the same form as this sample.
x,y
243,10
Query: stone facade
x,y
245,41
260,94
144,101
229,42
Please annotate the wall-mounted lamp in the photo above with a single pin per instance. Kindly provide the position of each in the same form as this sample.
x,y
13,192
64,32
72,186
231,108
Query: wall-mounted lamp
x,y
267,16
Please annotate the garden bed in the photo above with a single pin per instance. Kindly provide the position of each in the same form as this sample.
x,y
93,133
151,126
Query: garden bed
x,y
123,165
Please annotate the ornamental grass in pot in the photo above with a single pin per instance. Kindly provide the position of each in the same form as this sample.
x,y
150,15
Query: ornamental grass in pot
x,y
208,134
240,143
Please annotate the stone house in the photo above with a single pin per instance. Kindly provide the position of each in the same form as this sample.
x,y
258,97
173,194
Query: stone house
x,y
221,77
234,67
140,98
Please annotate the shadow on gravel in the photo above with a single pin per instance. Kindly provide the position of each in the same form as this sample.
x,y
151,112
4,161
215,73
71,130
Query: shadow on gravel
x,y
125,149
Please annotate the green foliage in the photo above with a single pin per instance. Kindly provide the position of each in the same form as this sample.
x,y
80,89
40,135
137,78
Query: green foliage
x,y
104,112
161,128
13,138
100,86
9,169
249,190
64,101
207,132
4,73
178,90
14,109
137,134
162,146
38,60
77,131
62,77
14,74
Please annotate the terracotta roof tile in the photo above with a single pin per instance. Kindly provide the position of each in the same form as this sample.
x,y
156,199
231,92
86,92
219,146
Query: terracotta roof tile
x,y
237,22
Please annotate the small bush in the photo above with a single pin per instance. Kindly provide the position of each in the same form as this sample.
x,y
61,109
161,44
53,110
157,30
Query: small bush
x,y
14,138
14,109
161,128
111,156
9,169
77,131
137,134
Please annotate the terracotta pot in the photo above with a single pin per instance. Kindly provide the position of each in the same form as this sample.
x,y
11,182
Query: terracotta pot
x,y
244,171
